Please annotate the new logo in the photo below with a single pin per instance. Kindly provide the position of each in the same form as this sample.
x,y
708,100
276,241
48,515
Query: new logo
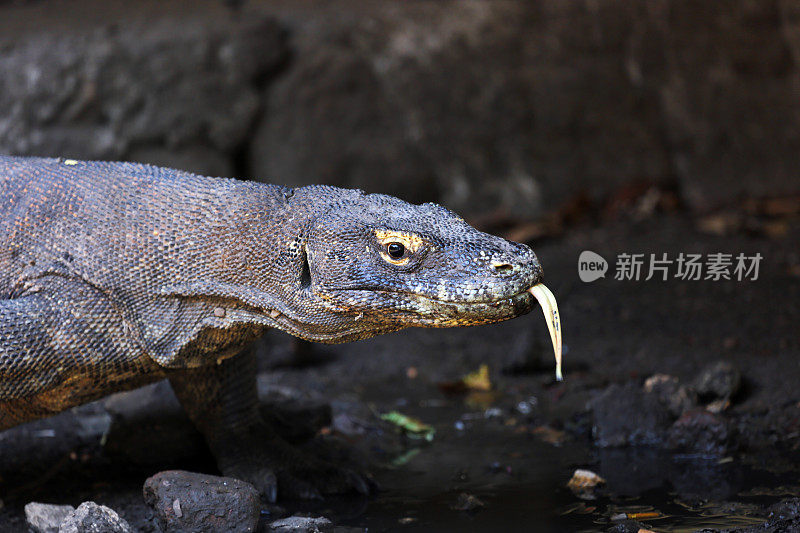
x,y
591,266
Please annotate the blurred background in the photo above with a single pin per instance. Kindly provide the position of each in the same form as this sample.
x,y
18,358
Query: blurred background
x,y
665,126
487,106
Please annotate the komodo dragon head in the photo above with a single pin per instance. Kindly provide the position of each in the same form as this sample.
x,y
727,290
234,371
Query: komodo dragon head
x,y
372,264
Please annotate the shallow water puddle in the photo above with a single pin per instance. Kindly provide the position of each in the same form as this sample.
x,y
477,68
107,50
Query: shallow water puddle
x,y
520,478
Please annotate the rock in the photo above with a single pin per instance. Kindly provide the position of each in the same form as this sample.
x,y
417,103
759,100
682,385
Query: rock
x,y
403,92
295,415
151,418
399,100
627,526
720,380
468,502
186,501
45,517
785,509
508,106
699,431
24,457
624,415
675,397
584,484
697,477
301,524
92,518
780,517
717,148
632,470
717,406
180,90
514,106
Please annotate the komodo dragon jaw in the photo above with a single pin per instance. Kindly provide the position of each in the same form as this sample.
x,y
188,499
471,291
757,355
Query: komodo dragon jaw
x,y
372,264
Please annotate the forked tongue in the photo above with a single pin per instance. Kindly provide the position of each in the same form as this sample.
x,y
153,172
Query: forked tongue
x,y
550,309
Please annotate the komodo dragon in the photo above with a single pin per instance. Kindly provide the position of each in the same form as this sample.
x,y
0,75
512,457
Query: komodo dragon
x,y
114,275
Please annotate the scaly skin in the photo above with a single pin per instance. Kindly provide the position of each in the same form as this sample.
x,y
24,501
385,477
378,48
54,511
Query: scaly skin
x,y
113,275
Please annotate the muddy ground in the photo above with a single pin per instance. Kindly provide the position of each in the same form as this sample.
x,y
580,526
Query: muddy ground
x,y
516,447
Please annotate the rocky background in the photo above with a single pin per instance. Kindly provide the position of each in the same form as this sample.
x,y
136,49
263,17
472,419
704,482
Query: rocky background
x,y
486,106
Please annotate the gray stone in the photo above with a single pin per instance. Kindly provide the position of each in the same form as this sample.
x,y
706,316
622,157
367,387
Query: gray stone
x,y
45,517
624,415
295,415
489,106
467,103
177,92
699,431
186,501
92,518
151,418
729,104
720,380
485,105
301,524
468,502
676,397
627,526
517,106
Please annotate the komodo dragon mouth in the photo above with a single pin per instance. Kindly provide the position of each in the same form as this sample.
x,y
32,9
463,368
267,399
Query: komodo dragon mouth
x,y
549,306
437,312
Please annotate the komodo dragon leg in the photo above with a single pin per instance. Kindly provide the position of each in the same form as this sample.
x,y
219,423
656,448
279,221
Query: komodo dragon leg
x,y
222,401
63,343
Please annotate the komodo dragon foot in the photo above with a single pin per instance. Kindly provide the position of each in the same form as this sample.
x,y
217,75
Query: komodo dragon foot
x,y
222,401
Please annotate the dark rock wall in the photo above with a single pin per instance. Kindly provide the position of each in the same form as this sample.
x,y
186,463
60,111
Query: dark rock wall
x,y
483,105
176,91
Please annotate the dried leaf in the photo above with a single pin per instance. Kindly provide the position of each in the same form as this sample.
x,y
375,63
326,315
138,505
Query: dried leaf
x,y
478,380
474,381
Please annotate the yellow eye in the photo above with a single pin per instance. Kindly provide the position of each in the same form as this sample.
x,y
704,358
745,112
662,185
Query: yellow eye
x,y
399,248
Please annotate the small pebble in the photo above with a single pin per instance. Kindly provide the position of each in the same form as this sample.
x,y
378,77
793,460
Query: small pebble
x,y
467,502
493,412
720,380
90,517
584,484
44,517
301,524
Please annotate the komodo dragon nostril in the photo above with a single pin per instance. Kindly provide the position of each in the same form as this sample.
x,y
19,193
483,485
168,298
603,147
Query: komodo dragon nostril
x,y
501,268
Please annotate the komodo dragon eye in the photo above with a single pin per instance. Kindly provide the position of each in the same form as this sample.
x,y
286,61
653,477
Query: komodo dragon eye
x,y
400,248
395,250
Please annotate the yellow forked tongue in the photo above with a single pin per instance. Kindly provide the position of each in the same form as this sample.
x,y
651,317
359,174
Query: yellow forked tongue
x,y
550,309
